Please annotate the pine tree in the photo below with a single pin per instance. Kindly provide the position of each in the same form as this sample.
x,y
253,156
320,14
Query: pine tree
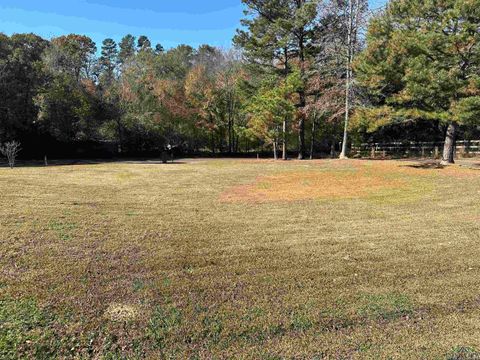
x,y
278,33
144,43
127,49
422,62
159,49
108,60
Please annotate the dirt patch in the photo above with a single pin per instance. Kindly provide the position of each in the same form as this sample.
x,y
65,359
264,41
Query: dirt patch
x,y
121,312
310,185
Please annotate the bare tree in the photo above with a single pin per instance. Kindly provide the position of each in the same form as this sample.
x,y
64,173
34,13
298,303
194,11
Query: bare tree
x,y
341,25
10,150
355,19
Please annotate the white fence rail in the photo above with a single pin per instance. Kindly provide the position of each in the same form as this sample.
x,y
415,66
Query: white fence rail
x,y
464,148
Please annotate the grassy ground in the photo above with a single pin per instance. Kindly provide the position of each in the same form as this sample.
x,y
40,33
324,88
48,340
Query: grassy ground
x,y
242,259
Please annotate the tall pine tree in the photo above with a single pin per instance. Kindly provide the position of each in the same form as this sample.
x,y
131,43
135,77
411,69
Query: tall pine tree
x,y
108,60
423,62
127,49
277,33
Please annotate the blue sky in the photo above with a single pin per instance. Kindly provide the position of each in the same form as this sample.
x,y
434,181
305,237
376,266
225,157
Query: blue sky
x,y
170,23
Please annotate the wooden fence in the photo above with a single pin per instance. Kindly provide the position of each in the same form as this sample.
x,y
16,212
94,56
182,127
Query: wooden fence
x,y
464,148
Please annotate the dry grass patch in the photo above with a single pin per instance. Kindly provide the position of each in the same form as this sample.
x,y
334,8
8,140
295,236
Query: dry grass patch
x,y
121,312
309,185
340,180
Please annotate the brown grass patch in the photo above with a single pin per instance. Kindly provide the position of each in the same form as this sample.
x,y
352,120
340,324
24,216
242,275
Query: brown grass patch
x,y
308,185
121,312
340,180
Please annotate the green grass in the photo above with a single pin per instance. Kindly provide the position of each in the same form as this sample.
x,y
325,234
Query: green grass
x,y
63,230
463,353
240,259
386,306
24,329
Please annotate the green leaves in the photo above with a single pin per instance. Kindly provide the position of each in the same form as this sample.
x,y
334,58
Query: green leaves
x,y
421,61
272,104
467,110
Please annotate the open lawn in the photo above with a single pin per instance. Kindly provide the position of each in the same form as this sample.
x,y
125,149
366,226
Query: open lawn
x,y
240,259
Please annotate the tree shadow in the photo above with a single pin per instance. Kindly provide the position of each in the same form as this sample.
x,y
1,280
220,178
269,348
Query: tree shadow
x,y
427,165
435,165
80,162
471,166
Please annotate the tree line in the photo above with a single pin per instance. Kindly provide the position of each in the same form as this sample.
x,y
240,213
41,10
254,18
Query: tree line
x,y
304,76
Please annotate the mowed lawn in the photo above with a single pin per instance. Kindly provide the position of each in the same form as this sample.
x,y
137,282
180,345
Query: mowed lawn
x,y
250,259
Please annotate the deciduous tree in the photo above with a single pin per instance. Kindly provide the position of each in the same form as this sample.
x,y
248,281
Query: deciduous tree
x,y
274,102
278,33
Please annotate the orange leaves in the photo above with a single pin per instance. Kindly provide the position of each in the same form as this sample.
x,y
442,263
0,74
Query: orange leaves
x,y
331,98
169,93
89,86
199,90
80,41
126,92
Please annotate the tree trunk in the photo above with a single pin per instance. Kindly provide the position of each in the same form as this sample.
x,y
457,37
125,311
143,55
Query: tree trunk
x,y
230,137
350,25
284,127
231,134
275,155
212,140
303,102
120,136
312,141
449,147
301,132
343,154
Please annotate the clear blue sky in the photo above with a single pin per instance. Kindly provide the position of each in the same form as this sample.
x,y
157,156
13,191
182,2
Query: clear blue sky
x,y
170,23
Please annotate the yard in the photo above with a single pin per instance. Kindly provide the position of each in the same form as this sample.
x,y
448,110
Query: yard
x,y
240,258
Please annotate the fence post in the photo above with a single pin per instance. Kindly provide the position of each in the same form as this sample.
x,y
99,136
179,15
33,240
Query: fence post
x,y
372,153
463,150
332,151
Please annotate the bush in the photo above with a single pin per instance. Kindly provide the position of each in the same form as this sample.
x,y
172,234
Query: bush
x,y
10,150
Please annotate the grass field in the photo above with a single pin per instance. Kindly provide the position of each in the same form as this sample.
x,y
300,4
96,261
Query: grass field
x,y
240,259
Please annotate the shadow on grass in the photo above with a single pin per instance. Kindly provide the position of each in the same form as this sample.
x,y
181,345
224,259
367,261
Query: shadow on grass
x,y
471,165
428,165
435,165
76,162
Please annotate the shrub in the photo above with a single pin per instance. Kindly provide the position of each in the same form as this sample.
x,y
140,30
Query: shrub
x,y
10,150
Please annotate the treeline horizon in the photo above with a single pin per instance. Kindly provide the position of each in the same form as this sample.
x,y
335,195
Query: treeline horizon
x,y
302,76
